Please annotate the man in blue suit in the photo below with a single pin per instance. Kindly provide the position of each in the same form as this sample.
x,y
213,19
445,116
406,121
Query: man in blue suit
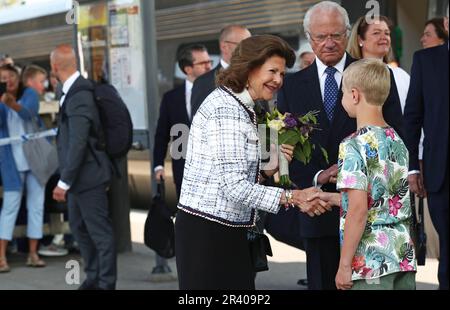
x,y
427,107
317,88
175,110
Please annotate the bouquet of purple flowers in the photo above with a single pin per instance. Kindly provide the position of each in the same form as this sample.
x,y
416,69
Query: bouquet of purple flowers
x,y
292,130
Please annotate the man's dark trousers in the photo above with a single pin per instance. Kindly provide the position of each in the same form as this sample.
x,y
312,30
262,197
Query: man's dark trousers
x,y
91,225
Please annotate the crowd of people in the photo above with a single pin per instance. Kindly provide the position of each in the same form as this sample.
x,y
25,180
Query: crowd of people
x,y
220,187
385,133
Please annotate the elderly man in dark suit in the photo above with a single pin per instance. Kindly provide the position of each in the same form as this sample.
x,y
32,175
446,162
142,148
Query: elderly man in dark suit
x,y
317,88
427,107
85,173
230,37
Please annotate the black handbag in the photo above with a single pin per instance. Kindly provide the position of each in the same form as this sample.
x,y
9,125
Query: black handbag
x,y
418,231
259,246
159,231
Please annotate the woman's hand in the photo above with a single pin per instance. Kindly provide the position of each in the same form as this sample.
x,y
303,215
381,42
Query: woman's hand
x,y
8,99
343,278
288,151
312,207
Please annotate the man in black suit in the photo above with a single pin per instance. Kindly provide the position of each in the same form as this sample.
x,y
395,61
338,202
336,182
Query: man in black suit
x,y
230,37
85,173
175,117
317,88
427,107
176,114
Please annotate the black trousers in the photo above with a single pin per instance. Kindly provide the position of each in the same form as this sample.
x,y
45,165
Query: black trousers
x,y
211,256
322,262
438,204
91,226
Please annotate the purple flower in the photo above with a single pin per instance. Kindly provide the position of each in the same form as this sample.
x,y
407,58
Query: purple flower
x,y
305,130
290,122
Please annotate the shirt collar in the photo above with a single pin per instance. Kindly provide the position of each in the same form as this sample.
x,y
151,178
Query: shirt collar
x,y
69,82
321,67
188,86
245,98
224,64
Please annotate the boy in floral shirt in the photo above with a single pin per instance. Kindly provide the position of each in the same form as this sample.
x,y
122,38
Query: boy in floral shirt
x,y
377,251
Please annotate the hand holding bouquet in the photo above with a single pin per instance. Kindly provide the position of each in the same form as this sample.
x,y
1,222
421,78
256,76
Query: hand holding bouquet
x,y
295,131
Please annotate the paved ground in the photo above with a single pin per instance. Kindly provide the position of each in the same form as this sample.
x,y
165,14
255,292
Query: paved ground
x,y
286,267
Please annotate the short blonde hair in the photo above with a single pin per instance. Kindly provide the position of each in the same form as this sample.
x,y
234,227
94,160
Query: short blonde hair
x,y
31,71
371,77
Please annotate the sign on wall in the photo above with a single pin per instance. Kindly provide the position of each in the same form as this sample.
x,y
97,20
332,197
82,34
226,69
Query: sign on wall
x,y
18,10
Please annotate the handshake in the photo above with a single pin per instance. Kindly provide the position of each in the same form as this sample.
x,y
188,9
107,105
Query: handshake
x,y
312,201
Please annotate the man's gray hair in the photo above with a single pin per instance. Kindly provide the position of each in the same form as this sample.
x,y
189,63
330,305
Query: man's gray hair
x,y
327,6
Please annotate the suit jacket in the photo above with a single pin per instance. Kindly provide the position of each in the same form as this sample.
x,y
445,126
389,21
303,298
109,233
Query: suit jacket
x,y
82,166
203,86
300,94
427,107
171,112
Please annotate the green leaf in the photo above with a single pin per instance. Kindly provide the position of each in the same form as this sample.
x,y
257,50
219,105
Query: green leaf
x,y
299,155
307,150
290,137
325,154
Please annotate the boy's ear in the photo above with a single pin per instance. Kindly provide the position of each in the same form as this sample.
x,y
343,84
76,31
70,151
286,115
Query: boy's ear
x,y
355,95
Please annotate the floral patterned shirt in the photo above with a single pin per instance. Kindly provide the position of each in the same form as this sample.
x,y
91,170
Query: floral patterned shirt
x,y
375,160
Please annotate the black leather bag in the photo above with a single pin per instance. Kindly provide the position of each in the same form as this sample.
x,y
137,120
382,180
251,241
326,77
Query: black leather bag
x,y
159,231
418,231
259,246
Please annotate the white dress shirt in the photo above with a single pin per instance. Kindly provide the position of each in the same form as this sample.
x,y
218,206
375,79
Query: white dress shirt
x,y
66,87
224,64
321,67
188,93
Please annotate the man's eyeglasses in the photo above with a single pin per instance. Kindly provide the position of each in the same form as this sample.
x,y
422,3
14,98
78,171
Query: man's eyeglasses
x,y
203,63
320,38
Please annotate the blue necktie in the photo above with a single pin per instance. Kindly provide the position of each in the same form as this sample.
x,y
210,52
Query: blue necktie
x,y
331,92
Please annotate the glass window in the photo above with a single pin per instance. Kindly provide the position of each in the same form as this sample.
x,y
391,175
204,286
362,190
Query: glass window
x,y
110,38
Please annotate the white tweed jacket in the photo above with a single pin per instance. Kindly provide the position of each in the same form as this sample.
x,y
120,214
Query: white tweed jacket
x,y
222,163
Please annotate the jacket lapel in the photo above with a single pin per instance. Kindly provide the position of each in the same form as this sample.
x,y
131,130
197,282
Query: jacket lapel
x,y
312,88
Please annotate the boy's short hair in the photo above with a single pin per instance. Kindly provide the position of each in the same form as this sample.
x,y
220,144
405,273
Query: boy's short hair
x,y
31,71
371,77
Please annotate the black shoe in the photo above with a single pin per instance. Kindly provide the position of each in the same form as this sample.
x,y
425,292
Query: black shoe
x,y
88,286
303,282
162,274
